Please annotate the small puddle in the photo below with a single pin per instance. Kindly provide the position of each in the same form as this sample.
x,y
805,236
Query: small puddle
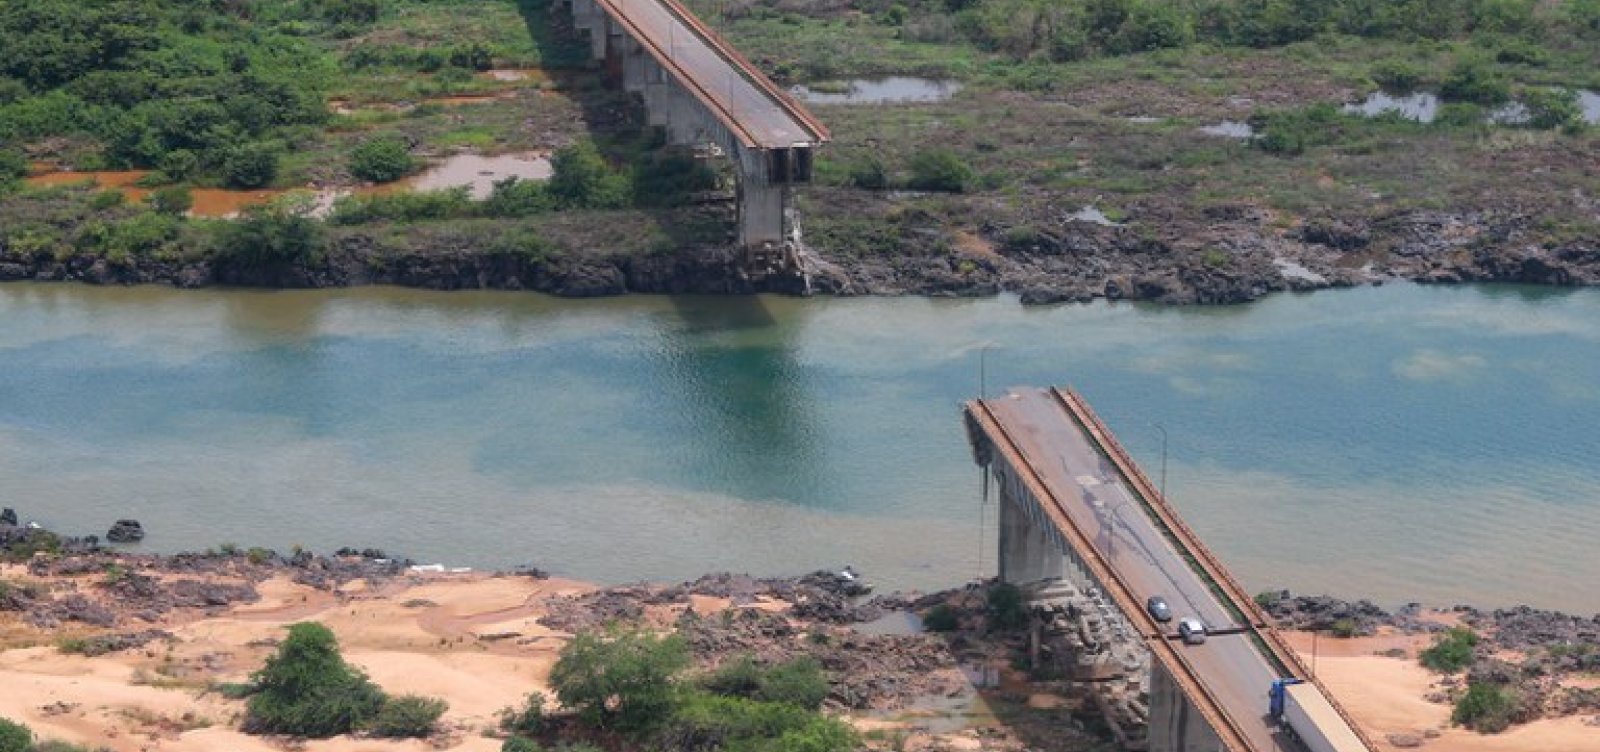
x,y
1143,119
1420,106
1590,102
479,173
1229,129
1092,215
888,90
1511,113
513,74
892,623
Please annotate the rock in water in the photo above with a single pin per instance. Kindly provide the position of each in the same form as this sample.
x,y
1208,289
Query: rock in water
x,y
126,531
8,516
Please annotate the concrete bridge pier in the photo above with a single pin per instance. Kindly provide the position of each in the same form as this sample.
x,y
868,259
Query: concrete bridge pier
x,y
1175,724
764,171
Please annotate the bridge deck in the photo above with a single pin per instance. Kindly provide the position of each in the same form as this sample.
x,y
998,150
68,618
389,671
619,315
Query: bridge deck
x,y
760,113
1097,496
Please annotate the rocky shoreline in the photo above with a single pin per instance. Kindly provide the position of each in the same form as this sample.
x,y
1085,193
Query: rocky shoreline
x,y
1236,255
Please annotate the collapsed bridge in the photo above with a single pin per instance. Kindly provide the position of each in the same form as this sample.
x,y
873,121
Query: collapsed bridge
x,y
704,93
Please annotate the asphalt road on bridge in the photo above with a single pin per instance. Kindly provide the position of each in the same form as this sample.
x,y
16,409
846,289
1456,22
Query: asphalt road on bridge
x,y
1099,501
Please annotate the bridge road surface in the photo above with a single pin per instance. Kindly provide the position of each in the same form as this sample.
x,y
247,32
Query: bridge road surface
x,y
719,79
1099,501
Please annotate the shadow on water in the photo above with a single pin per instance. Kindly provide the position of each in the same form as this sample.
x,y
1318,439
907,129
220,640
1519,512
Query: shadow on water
x,y
746,394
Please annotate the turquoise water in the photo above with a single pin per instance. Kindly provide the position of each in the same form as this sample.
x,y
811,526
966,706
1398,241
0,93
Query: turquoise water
x,y
1401,442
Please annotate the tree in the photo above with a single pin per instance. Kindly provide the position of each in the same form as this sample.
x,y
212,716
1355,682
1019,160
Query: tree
x,y
269,238
382,159
250,165
15,737
307,689
622,679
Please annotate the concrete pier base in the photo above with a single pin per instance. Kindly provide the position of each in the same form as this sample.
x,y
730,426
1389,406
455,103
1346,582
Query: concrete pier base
x,y
1175,724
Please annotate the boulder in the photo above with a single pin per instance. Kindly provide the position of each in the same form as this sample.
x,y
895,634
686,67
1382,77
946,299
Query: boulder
x,y
126,531
8,516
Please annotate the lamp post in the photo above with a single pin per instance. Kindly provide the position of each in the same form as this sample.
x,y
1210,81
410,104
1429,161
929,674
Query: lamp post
x,y
1163,431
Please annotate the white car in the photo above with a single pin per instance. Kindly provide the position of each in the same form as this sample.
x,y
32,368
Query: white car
x,y
1192,630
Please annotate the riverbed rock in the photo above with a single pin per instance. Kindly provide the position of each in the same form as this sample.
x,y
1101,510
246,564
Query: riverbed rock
x,y
126,531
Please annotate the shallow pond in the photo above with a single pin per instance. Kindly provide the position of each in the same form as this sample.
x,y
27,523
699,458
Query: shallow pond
x,y
880,91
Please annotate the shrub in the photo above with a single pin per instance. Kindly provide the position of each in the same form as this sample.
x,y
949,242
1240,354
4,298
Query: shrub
x,y
1485,707
796,682
12,165
408,717
1473,81
941,618
513,197
1549,109
670,178
173,200
1459,115
1397,75
381,160
1583,15
529,720
520,744
267,237
1452,651
583,180
736,724
406,206
622,679
1344,628
307,689
869,173
1153,25
1292,132
179,164
15,737
249,166
939,170
1006,609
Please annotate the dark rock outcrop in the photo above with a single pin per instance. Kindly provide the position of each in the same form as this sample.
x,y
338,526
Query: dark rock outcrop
x,y
126,531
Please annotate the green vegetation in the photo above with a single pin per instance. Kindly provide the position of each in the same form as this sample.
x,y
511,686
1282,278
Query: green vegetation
x,y
15,737
407,717
1006,608
1344,628
381,159
527,721
941,618
631,682
1485,707
1452,651
307,689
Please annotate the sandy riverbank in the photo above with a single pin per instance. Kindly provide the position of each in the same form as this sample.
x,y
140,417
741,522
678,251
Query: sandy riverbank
x,y
423,635
1387,695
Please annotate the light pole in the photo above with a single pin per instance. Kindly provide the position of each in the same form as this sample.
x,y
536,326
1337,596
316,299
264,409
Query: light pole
x,y
1163,430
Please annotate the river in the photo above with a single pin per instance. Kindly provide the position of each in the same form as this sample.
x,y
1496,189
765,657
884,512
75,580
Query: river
x,y
1400,443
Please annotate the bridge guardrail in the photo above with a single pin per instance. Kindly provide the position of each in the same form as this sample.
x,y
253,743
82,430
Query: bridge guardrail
x,y
1260,625
1186,676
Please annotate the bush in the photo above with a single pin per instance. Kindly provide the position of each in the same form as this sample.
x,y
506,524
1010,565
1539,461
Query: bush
x,y
1452,651
513,197
669,178
1484,707
799,682
1344,628
1549,109
1292,132
307,689
12,165
1459,115
622,679
939,170
869,173
173,200
15,737
408,717
1473,81
268,238
249,166
1397,76
529,720
519,744
406,206
1153,25
736,724
179,164
583,180
941,618
381,160
1006,609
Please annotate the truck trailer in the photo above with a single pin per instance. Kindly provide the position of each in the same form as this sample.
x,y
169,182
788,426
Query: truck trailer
x,y
1301,708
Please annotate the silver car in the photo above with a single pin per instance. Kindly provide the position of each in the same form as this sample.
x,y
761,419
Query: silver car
x,y
1158,608
1192,630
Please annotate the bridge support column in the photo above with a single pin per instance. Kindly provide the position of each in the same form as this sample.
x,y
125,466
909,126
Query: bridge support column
x,y
1175,724
1027,551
